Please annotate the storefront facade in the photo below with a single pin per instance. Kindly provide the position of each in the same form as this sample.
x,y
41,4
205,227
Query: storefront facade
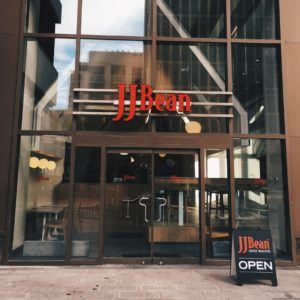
x,y
163,184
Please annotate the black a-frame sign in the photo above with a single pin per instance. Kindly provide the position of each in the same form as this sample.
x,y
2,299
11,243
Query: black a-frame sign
x,y
252,256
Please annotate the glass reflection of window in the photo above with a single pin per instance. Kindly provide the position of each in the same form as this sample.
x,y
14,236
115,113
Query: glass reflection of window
x,y
252,19
118,75
116,17
188,18
118,62
52,16
257,89
197,68
42,197
48,80
217,203
259,168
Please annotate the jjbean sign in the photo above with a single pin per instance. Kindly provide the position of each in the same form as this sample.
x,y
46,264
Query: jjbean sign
x,y
252,256
161,102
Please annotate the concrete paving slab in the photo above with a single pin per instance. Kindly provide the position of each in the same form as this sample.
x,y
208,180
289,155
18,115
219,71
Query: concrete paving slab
x,y
114,282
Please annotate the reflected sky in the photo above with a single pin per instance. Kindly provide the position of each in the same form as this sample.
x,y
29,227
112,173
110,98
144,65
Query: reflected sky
x,y
64,63
68,17
113,17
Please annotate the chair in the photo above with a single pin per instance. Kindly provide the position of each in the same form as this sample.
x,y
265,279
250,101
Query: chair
x,y
55,228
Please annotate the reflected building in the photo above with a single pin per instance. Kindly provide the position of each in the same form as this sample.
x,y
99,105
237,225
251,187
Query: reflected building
x,y
166,187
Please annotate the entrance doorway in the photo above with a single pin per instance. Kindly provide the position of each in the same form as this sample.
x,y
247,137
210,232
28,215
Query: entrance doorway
x,y
151,206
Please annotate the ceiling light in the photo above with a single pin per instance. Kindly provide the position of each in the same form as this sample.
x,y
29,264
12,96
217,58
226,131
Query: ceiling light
x,y
162,154
132,159
123,153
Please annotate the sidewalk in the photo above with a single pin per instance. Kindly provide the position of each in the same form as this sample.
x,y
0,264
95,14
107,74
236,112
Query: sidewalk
x,y
111,282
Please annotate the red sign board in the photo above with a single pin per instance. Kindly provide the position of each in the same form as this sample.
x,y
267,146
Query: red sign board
x,y
161,102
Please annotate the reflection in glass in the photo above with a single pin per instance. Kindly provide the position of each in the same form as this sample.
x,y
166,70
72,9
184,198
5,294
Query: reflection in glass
x,y
197,67
48,16
252,19
257,89
217,204
42,197
176,206
86,207
1,248
260,183
127,213
191,18
104,65
116,17
48,96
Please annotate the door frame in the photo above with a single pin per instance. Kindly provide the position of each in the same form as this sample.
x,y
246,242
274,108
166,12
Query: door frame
x,y
152,259
150,143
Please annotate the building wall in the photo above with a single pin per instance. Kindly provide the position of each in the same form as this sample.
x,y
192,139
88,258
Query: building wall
x,y
9,40
291,47
10,15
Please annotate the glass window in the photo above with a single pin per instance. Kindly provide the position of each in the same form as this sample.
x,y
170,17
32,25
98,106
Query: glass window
x,y
1,248
42,197
255,19
191,18
257,86
104,65
49,66
51,16
217,204
197,68
176,206
194,67
260,189
116,17
86,209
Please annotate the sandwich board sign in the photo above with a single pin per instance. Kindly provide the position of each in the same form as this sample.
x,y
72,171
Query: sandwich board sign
x,y
252,256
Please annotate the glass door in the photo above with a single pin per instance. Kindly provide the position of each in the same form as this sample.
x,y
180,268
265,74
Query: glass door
x,y
217,203
176,231
152,206
127,212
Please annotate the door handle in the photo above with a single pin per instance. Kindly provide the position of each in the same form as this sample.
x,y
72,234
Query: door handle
x,y
145,207
163,202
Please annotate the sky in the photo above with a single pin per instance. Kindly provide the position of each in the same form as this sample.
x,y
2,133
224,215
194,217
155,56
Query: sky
x,y
106,17
97,18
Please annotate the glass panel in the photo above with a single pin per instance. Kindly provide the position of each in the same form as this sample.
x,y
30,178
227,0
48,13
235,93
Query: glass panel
x,y
1,248
217,204
192,18
51,16
116,17
257,85
42,197
260,183
176,206
127,213
86,209
298,249
179,123
48,78
104,65
195,67
255,19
